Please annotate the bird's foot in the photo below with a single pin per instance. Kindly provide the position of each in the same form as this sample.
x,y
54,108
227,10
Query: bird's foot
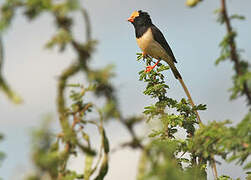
x,y
149,68
144,55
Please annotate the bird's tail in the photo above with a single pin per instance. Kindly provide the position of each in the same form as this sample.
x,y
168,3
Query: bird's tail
x,y
178,76
175,71
189,98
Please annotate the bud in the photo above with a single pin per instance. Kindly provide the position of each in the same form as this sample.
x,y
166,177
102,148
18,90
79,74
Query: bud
x,y
192,3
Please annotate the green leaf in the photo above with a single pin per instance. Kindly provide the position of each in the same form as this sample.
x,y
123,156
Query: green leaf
x,y
247,166
88,166
61,39
224,177
236,16
106,142
200,107
104,169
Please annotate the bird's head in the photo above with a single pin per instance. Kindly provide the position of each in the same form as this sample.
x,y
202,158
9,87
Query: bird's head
x,y
140,18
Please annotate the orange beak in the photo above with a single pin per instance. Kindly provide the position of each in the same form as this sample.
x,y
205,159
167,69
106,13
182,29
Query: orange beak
x,y
130,19
133,16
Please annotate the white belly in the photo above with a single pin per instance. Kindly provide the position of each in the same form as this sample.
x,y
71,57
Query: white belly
x,y
151,47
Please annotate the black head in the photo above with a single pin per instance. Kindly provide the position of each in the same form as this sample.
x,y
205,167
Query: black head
x,y
140,18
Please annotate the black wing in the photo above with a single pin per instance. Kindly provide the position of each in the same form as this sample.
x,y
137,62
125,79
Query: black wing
x,y
159,37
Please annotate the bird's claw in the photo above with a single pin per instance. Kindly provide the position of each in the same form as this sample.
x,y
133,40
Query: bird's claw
x,y
148,68
144,55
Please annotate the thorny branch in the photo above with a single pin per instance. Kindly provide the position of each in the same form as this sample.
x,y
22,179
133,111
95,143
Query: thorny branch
x,y
233,52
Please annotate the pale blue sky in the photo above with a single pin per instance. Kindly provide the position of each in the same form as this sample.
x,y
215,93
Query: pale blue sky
x,y
193,34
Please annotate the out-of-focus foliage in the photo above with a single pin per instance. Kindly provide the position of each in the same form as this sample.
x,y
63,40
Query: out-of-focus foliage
x,y
50,156
2,155
239,144
3,84
159,161
52,151
44,152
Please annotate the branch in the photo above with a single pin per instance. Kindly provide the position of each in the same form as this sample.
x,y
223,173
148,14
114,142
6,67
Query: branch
x,y
233,51
129,124
4,86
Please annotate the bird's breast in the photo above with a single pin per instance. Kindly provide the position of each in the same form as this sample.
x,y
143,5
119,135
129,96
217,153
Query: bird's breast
x,y
151,47
145,40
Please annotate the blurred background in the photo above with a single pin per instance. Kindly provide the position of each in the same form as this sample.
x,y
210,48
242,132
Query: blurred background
x,y
193,35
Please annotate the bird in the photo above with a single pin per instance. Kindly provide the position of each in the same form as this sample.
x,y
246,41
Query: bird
x,y
153,43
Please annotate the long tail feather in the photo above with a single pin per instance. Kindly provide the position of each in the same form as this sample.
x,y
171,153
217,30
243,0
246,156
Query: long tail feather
x,y
189,98
175,72
178,76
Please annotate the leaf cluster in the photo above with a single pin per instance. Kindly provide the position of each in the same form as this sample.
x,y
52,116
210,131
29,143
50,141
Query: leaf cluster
x,y
174,116
51,153
202,143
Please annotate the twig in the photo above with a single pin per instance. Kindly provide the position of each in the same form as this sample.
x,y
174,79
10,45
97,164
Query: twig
x,y
87,24
1,54
135,142
4,86
214,168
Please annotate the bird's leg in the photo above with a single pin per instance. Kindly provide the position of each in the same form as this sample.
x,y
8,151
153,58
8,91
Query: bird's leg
x,y
144,55
149,68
